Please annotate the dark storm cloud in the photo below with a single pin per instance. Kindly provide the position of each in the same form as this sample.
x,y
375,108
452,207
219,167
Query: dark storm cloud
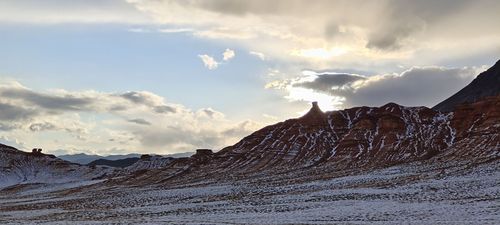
x,y
331,83
139,121
67,102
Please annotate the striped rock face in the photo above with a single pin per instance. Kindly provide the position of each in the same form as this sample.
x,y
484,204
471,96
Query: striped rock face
x,y
359,136
477,127
370,137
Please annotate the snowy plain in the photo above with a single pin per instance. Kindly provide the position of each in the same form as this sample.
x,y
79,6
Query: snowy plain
x,y
406,194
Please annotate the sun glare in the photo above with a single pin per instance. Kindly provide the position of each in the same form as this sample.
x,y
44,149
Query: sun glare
x,y
325,102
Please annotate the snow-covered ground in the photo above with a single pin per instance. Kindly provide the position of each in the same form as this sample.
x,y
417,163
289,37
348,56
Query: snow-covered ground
x,y
19,168
409,194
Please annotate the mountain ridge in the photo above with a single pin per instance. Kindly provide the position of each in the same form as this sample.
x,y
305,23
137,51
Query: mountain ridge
x,y
485,84
357,138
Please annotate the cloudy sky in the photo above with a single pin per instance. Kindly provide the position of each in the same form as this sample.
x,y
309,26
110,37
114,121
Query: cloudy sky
x,y
153,76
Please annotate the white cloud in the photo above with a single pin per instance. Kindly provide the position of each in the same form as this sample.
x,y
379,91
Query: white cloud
x,y
136,121
60,11
212,64
209,62
175,30
228,54
327,34
345,34
139,30
259,55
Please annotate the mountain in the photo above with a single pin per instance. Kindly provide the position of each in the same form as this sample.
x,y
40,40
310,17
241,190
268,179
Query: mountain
x,y
390,163
485,84
147,162
121,163
18,167
323,144
85,159
360,136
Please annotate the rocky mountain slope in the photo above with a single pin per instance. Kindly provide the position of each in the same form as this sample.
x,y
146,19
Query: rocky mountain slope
x,y
486,84
120,163
389,165
324,144
18,167
359,138
353,137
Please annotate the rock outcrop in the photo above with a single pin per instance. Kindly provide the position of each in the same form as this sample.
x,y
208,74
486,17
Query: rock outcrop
x,y
18,167
486,84
362,136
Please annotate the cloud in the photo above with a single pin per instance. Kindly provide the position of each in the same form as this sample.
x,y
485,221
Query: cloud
x,y
394,37
142,98
331,83
67,102
348,34
211,113
139,30
259,55
145,98
175,30
8,126
165,109
13,143
13,113
209,62
60,11
417,86
35,127
92,118
139,121
242,129
228,54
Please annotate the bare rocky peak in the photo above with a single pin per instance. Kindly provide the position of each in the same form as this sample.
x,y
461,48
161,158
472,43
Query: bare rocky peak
x,y
358,136
486,84
314,117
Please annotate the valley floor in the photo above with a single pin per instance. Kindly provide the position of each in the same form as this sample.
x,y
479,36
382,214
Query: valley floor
x,y
409,194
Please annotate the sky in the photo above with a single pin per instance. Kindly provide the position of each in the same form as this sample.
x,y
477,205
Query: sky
x,y
159,76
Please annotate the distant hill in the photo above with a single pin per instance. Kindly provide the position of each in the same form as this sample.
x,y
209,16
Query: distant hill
x,y
18,167
85,159
121,163
486,84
